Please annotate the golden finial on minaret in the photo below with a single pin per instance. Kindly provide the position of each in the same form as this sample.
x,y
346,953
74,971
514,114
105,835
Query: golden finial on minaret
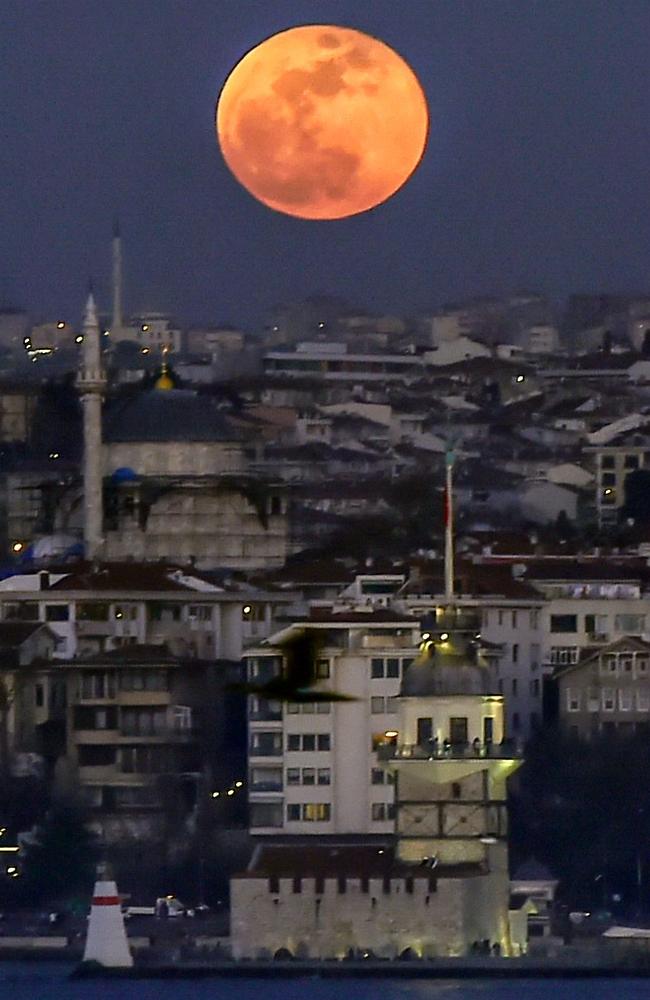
x,y
164,381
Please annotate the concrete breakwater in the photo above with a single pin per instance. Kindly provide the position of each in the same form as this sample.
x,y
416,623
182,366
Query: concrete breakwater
x,y
452,968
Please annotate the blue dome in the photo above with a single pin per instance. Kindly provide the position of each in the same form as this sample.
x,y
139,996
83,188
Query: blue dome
x,y
124,475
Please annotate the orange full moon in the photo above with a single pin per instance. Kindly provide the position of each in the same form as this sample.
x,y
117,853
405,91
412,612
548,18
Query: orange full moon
x,y
322,122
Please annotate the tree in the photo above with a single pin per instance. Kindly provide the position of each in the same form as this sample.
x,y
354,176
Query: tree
x,y
60,855
637,496
583,808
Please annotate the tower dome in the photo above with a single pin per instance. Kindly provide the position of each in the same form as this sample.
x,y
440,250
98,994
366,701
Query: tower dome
x,y
449,666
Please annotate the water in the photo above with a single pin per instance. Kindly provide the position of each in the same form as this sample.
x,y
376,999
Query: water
x,y
42,981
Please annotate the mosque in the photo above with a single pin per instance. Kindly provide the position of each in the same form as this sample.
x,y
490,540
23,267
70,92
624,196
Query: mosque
x,y
165,477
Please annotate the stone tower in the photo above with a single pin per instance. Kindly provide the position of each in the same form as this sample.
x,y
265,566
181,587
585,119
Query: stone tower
x,y
451,765
91,384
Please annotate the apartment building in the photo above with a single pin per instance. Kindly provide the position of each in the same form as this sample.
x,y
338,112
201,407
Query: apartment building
x,y
607,691
139,725
313,767
98,608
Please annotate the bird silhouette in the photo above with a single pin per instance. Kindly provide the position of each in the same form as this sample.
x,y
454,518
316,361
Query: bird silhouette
x,y
299,675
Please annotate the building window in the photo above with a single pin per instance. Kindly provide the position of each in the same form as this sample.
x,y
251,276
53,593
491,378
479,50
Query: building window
x,y
629,624
376,668
609,699
455,790
265,744
377,776
564,655
39,698
534,687
643,701
322,670
308,741
392,667
642,666
500,616
297,885
266,814
631,462
514,686
316,812
274,885
308,776
293,775
515,721
625,699
608,479
515,652
514,619
96,756
293,812
324,776
607,462
382,812
572,700
564,623
57,612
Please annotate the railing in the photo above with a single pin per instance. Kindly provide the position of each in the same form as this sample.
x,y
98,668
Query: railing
x,y
508,750
266,786
266,750
265,715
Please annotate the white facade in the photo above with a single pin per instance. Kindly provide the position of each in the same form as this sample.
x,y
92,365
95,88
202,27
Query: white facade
x,y
314,767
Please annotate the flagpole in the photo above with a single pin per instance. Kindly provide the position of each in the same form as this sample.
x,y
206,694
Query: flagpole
x,y
449,526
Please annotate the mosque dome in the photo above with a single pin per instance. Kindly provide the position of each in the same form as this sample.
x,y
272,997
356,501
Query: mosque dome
x,y
173,415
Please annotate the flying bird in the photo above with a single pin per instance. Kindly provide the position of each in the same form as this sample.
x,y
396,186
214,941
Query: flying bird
x,y
296,681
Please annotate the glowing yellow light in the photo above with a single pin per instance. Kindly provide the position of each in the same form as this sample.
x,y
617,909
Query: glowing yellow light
x,y
231,791
145,327
238,784
54,454
78,339
521,378
16,547
247,609
426,635
215,795
145,350
390,734
607,492
11,870
444,636
60,325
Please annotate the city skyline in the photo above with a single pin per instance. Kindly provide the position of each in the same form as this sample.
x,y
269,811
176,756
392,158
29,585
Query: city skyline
x,y
533,177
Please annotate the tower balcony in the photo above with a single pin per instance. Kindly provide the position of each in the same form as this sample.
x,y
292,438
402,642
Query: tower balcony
x,y
506,750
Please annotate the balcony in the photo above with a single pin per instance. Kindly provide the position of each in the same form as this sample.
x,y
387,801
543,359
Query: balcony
x,y
266,786
508,750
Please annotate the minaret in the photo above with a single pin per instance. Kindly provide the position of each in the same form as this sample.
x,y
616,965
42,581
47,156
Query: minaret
x,y
116,321
91,384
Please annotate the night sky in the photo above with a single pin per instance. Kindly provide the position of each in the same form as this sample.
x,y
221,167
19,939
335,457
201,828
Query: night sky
x,y
536,176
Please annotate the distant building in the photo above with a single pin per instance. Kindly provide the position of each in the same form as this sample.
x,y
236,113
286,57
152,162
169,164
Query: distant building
x,y
607,691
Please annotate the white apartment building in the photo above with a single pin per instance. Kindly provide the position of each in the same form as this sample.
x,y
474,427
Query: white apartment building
x,y
98,609
313,767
